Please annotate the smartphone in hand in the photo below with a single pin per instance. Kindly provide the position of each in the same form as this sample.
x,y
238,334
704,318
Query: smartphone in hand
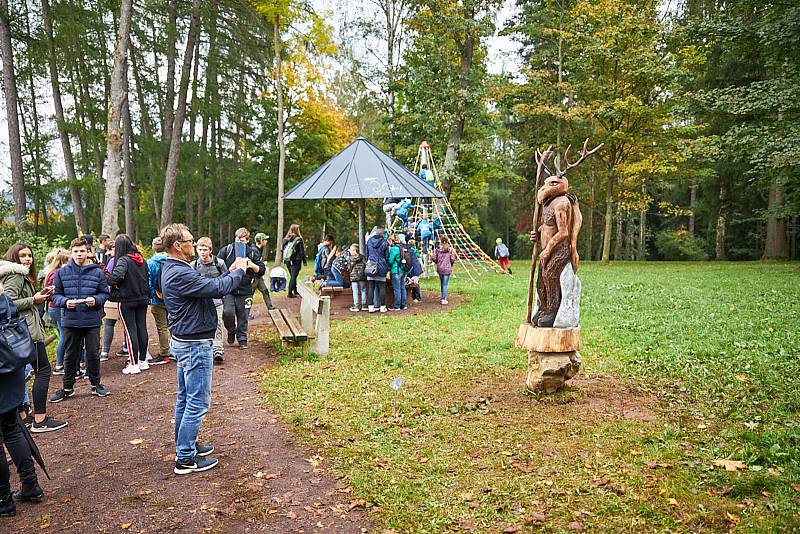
x,y
240,249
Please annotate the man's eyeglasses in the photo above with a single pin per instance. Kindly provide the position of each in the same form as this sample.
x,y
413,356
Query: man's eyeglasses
x,y
187,241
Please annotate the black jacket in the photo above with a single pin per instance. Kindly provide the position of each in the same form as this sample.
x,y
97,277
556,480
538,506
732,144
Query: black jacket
x,y
129,280
228,255
299,255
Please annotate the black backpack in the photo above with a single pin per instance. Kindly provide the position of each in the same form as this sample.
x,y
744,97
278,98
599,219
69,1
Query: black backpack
x,y
406,259
16,346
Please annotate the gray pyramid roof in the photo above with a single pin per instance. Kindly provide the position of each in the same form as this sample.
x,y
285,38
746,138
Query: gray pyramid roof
x,y
361,170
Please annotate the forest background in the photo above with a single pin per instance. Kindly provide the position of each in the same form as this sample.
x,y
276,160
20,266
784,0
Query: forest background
x,y
127,115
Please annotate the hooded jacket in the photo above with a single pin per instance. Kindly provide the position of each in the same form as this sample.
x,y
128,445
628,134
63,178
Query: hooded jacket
x,y
15,284
75,281
444,260
355,264
154,266
378,251
192,315
129,280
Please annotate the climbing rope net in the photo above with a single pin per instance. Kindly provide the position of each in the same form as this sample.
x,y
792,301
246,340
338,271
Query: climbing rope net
x,y
471,259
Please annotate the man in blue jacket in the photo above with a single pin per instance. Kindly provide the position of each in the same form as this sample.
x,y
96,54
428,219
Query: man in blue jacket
x,y
192,319
81,290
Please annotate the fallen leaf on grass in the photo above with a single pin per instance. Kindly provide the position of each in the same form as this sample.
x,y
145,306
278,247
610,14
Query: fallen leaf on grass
x,y
730,465
356,503
536,517
774,472
672,501
466,496
796,487
467,524
137,441
525,469
510,529
600,482
314,460
291,515
732,518
577,527
125,526
719,492
742,378
655,465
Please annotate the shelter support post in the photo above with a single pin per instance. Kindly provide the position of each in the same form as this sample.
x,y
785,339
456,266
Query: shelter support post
x,y
362,210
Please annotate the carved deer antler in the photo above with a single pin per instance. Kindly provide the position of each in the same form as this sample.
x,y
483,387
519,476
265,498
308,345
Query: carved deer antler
x,y
541,162
585,154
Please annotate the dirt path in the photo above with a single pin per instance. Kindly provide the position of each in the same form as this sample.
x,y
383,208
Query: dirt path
x,y
112,466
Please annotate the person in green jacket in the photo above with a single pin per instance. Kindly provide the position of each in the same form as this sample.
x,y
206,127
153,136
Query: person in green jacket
x,y
18,279
397,273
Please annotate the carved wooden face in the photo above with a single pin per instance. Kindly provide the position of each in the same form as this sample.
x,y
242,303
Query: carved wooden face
x,y
553,187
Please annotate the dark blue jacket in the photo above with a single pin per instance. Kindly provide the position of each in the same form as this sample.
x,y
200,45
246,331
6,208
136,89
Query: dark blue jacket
x,y
12,385
378,251
79,282
228,255
416,266
189,297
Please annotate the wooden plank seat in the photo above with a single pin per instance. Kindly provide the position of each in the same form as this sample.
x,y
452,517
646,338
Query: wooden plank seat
x,y
331,291
288,326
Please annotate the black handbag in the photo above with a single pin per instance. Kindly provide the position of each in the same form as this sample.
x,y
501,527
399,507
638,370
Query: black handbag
x,y
16,346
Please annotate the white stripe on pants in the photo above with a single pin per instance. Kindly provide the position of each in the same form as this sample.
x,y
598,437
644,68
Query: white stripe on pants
x,y
217,345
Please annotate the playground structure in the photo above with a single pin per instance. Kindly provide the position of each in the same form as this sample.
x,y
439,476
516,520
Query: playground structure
x,y
472,260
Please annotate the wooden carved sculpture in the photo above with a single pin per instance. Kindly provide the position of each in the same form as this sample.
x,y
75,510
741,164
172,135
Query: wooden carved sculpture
x,y
552,333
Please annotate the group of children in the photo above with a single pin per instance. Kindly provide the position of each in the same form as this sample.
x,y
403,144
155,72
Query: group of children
x,y
395,258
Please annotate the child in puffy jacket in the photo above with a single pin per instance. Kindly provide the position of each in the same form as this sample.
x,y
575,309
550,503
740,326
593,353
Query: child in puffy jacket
x,y
356,262
444,257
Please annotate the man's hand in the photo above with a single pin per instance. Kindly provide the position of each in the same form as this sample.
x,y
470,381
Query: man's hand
x,y
534,236
90,302
240,263
72,304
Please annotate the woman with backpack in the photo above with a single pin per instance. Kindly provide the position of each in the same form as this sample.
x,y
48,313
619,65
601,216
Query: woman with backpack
x,y
12,388
130,288
358,280
376,268
444,258
18,280
294,256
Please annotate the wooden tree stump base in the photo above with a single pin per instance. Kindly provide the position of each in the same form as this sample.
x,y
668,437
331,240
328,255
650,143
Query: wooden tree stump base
x,y
548,371
531,337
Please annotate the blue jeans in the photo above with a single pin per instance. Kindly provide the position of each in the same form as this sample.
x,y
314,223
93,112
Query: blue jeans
x,y
55,314
337,280
194,362
444,279
399,289
362,288
426,239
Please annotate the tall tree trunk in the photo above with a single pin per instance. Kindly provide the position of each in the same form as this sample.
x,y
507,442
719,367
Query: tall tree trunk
x,y
618,239
609,216
775,246
66,147
12,121
127,143
642,249
722,220
169,100
459,118
692,207
590,221
171,175
276,30
147,132
34,139
114,136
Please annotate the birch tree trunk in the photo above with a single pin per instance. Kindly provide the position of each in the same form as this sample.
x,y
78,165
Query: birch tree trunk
x,y
171,175
692,207
618,240
66,147
117,100
722,220
12,120
642,252
127,143
276,30
609,217
169,100
459,119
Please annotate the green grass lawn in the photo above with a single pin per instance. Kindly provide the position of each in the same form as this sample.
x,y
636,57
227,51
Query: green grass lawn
x,y
684,364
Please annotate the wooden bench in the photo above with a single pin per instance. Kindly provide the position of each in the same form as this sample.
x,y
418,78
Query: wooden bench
x,y
315,317
289,328
331,291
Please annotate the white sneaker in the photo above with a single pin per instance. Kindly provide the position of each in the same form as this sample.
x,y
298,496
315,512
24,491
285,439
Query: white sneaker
x,y
131,369
148,358
103,356
444,301
354,308
144,366
383,309
371,308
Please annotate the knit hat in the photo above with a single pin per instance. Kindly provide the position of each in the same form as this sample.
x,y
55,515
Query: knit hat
x,y
261,236
498,240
